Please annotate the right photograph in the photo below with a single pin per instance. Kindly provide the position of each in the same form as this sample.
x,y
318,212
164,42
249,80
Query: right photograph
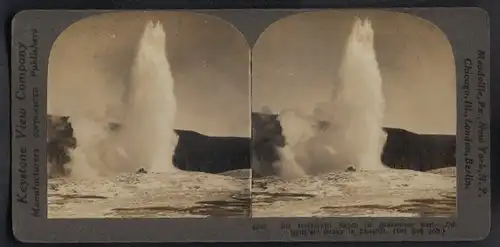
x,y
353,114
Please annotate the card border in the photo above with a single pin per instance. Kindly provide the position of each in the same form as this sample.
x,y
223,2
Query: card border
x,y
32,229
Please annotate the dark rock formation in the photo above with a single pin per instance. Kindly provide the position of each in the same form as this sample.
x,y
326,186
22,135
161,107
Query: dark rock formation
x,y
59,141
197,152
266,137
408,150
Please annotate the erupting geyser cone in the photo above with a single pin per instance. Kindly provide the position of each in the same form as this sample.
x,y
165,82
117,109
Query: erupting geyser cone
x,y
347,130
358,102
148,132
146,138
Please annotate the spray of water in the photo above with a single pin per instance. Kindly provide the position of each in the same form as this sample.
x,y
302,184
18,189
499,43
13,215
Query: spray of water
x,y
347,130
359,101
146,137
148,130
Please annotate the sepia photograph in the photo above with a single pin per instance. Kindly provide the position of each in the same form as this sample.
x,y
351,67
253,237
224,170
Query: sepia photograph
x,y
353,114
149,117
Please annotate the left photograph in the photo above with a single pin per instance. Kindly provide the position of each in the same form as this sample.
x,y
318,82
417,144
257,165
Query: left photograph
x,y
149,117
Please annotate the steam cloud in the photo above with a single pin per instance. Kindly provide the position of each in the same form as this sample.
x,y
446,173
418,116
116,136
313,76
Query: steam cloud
x,y
146,137
348,129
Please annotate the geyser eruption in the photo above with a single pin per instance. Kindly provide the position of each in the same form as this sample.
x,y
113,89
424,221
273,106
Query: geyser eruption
x,y
359,103
148,128
347,130
146,137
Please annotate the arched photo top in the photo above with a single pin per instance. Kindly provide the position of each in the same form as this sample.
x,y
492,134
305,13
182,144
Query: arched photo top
x,y
376,15
135,20
93,56
296,61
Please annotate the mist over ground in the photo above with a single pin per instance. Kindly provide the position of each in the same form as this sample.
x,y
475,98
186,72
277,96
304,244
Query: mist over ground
x,y
142,90
329,163
134,80
335,87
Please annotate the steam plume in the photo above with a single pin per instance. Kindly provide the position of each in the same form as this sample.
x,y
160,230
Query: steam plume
x,y
346,130
146,137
